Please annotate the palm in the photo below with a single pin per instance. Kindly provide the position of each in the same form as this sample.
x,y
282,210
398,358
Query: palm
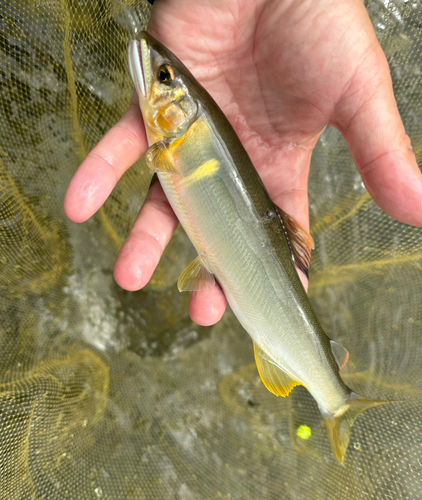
x,y
281,71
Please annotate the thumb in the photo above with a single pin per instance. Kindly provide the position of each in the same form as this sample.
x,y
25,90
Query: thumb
x,y
379,145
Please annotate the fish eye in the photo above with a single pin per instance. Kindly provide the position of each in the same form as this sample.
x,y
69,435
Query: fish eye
x,y
166,74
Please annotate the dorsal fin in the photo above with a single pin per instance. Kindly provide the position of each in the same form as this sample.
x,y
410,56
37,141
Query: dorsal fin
x,y
275,379
196,277
300,242
341,355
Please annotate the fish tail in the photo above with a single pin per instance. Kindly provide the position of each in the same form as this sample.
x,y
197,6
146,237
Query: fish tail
x,y
339,426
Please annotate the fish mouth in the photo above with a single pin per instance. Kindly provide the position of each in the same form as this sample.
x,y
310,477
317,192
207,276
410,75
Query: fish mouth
x,y
140,67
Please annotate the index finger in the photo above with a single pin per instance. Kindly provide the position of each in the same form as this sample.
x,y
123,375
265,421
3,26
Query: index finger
x,y
97,175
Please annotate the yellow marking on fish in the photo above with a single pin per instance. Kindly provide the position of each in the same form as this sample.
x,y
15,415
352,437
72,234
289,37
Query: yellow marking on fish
x,y
206,170
178,141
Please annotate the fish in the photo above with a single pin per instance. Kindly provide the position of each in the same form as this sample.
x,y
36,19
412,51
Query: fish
x,y
245,243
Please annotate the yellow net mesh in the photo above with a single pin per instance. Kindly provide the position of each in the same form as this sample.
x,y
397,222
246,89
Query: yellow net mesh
x,y
112,394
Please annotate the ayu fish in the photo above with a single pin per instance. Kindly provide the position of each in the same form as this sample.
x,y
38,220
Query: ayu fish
x,y
243,240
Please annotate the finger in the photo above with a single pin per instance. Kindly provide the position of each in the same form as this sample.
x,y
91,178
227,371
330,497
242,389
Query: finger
x,y
374,132
97,175
145,244
207,308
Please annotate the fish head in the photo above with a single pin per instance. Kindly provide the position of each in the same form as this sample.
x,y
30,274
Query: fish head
x,y
162,84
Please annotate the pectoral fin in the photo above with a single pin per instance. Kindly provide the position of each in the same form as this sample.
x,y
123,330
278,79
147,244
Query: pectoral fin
x,y
300,242
158,159
196,277
275,379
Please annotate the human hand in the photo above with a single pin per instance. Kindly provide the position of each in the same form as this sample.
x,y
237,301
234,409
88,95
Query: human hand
x,y
280,71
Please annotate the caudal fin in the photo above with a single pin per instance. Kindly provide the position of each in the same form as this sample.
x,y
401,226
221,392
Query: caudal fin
x,y
339,427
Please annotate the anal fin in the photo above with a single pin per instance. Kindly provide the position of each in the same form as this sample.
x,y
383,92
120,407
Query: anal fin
x,y
196,277
158,159
300,242
275,379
